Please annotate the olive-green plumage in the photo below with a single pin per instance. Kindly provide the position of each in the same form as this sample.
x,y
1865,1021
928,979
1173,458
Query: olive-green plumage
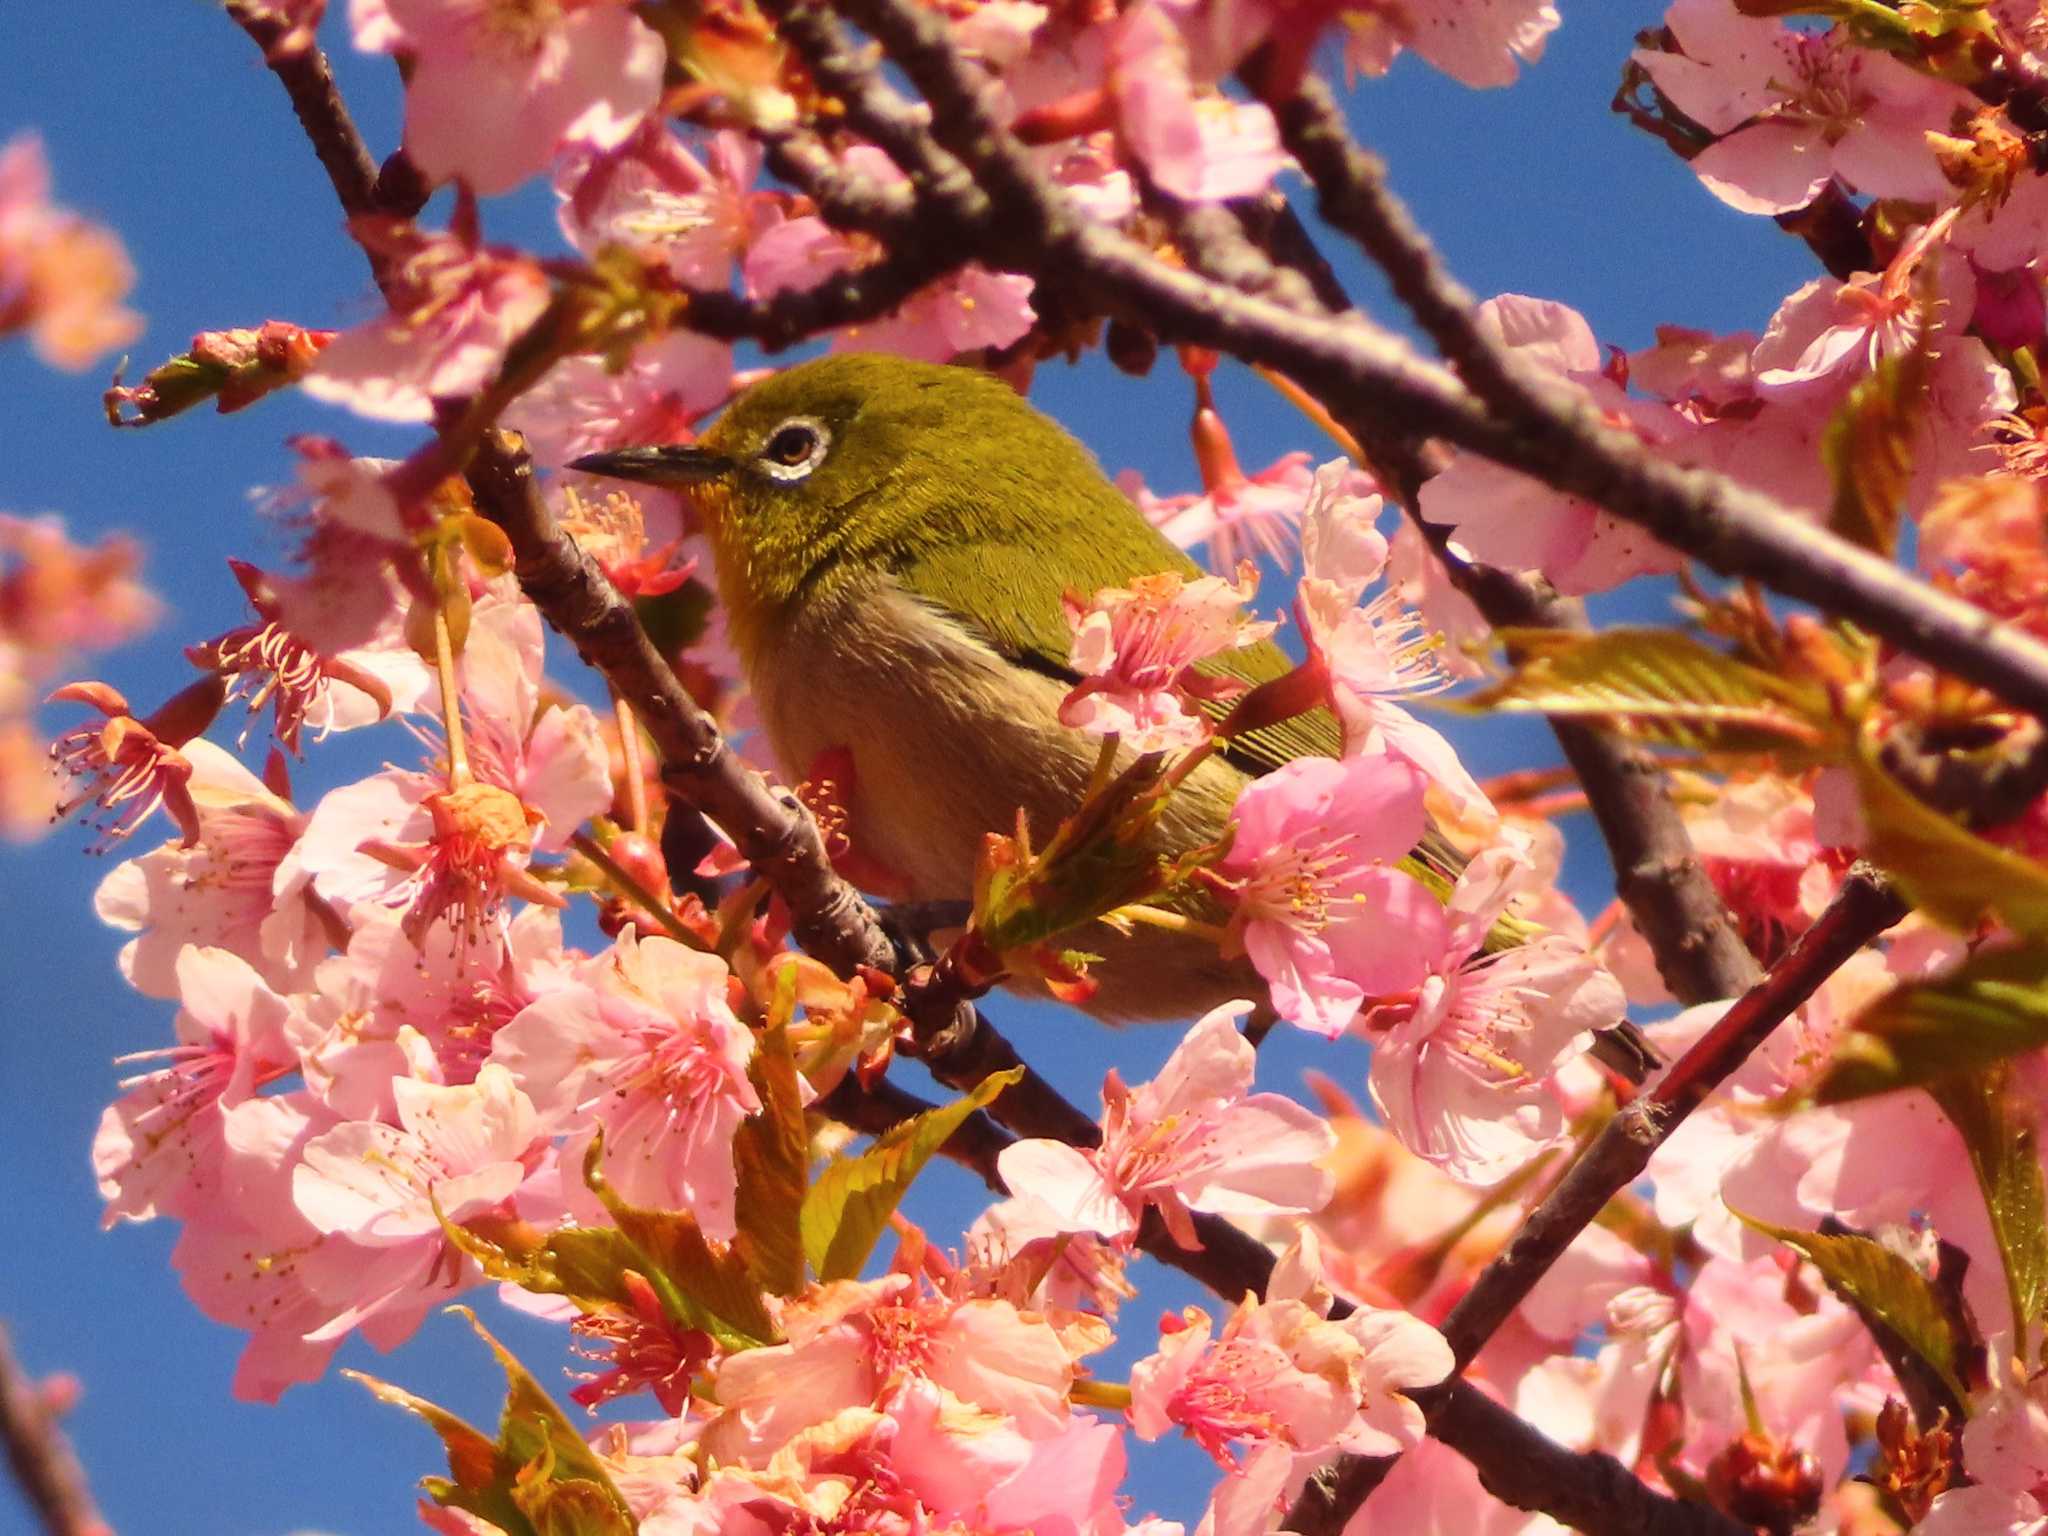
x,y
894,541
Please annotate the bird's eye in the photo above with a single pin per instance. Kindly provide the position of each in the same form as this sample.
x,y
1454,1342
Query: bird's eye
x,y
795,448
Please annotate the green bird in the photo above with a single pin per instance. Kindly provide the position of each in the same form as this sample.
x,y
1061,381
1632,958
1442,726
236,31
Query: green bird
x,y
893,541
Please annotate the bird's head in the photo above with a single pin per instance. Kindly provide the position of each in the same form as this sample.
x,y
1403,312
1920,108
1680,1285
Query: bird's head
x,y
856,460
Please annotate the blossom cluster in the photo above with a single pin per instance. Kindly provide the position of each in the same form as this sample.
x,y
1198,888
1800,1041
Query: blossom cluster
x,y
509,1012
62,277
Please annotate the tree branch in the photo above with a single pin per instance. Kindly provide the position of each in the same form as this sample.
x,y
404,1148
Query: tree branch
x,y
972,179
1357,369
770,827
1694,939
45,1469
1698,948
1520,1464
845,298
1862,909
302,69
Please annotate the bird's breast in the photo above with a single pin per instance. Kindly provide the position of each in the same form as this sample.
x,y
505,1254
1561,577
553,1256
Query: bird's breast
x,y
948,739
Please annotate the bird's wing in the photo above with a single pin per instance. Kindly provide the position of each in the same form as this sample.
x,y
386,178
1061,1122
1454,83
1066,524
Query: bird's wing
x,y
1030,626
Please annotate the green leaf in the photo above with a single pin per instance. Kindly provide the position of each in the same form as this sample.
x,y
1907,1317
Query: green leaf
x,y
1667,689
1933,36
851,1201
1946,870
701,1284
538,1478
1993,1005
2000,1137
1098,859
1868,450
772,1159
1882,1285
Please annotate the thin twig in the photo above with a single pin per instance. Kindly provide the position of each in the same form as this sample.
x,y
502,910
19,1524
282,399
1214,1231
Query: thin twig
x,y
1692,936
308,82
1862,909
45,1468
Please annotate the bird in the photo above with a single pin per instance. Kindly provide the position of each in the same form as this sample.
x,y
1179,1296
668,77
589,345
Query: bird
x,y
894,544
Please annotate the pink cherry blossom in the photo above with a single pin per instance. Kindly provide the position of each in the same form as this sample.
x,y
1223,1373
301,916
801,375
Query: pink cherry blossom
x,y
269,663
1462,1072
1831,328
127,767
1815,1365
1320,910
1238,516
928,1463
1506,519
455,308
1476,42
464,1150
855,1344
1195,142
802,252
1023,1240
388,1009
1375,652
1830,333
583,405
57,596
2005,1446
158,1151
1276,1375
495,86
243,1258
1758,841
1433,1491
1874,1163
652,194
643,1045
1135,648
358,520
969,309
415,841
1792,108
972,309
62,277
1418,575
222,891
1193,1139
1384,1353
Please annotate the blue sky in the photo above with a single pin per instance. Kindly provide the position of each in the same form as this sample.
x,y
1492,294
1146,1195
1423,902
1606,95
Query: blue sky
x,y
165,124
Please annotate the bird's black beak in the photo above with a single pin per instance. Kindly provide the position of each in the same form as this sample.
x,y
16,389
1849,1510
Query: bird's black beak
x,y
665,464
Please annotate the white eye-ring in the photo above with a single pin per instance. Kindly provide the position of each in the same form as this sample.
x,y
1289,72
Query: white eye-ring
x,y
794,449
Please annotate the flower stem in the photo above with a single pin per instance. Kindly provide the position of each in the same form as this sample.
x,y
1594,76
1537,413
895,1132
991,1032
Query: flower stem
x,y
451,701
1105,765
1193,759
1172,922
1115,1395
629,750
632,889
